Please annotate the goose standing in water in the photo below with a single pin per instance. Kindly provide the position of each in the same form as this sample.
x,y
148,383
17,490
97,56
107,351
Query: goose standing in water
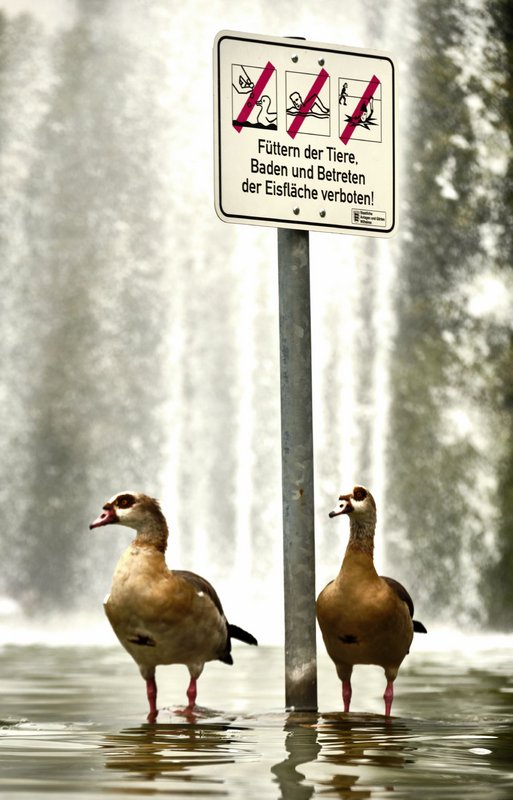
x,y
162,616
365,618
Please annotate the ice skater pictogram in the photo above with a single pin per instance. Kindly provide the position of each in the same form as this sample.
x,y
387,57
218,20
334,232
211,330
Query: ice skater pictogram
x,y
364,122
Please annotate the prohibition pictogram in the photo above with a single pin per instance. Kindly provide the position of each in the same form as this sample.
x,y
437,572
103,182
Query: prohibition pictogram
x,y
254,97
360,114
302,108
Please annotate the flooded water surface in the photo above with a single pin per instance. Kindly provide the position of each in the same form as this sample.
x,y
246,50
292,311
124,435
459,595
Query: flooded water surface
x,y
73,724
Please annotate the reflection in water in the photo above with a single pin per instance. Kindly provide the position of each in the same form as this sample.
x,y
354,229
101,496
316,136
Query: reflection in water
x,y
352,744
368,756
302,747
151,752
358,745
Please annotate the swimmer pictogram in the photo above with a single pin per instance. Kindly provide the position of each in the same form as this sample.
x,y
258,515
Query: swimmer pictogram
x,y
308,103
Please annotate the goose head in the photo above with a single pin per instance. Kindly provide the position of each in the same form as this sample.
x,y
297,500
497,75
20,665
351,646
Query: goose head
x,y
132,509
264,102
136,510
360,504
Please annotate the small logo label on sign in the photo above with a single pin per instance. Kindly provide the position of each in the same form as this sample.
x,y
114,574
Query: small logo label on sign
x,y
377,219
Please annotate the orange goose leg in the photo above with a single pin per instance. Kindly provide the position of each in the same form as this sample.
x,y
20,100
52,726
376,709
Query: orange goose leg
x,y
346,694
389,696
192,692
151,691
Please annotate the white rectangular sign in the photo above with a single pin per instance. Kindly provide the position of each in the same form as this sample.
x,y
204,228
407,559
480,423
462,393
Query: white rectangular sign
x,y
304,135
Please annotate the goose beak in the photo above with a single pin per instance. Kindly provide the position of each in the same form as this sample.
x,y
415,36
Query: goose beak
x,y
345,507
107,517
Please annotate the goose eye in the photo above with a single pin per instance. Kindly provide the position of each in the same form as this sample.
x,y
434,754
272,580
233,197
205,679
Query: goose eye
x,y
359,493
125,501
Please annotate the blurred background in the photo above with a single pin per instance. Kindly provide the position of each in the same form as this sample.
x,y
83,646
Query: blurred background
x,y
139,334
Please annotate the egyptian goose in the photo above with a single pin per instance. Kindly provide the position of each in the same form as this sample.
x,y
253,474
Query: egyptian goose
x,y
365,618
162,616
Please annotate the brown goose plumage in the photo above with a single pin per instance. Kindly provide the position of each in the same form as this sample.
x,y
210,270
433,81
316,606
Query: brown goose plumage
x,y
365,618
162,616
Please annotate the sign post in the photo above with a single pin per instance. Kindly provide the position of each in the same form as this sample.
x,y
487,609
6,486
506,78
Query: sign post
x,y
297,470
304,140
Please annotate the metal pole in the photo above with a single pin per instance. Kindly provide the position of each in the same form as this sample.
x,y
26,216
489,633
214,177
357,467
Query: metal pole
x,y
297,470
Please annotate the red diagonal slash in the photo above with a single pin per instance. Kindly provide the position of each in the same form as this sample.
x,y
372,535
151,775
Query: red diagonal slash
x,y
357,113
251,102
308,103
